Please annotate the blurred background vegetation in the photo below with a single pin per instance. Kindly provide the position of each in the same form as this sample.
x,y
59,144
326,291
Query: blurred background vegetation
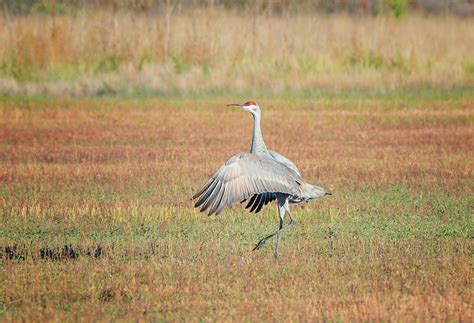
x,y
91,47
367,7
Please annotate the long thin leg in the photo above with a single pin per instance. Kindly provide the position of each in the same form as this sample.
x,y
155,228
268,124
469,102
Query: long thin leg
x,y
282,209
279,232
280,229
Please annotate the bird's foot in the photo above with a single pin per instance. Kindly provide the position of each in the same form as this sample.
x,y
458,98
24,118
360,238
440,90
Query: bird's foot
x,y
260,244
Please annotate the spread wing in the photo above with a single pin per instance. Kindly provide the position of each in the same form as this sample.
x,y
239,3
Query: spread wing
x,y
245,175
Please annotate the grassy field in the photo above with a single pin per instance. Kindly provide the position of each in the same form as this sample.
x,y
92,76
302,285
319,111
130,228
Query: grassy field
x,y
96,221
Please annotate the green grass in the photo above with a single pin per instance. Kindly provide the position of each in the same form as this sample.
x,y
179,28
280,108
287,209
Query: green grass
x,y
422,94
392,214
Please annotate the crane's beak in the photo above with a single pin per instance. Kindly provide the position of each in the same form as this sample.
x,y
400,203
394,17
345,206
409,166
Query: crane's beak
x,y
235,105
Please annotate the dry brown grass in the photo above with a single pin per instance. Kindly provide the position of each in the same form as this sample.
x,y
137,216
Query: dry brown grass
x,y
211,49
118,175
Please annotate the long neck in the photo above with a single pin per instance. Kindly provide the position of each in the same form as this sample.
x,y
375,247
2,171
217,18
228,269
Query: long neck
x,y
258,145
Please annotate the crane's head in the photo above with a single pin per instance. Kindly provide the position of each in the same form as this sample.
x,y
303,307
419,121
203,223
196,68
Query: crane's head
x,y
250,106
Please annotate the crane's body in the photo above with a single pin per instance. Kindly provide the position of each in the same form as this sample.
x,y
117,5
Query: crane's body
x,y
259,176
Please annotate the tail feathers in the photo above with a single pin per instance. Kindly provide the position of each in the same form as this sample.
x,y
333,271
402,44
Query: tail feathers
x,y
313,192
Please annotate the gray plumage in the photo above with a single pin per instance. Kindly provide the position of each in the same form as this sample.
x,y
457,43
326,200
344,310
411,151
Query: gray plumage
x,y
260,176
285,161
244,175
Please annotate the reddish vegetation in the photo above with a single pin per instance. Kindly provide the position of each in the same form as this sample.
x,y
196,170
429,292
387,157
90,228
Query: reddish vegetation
x,y
171,144
116,176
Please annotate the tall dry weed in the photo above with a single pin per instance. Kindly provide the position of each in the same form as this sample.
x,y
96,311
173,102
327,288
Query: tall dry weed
x,y
214,49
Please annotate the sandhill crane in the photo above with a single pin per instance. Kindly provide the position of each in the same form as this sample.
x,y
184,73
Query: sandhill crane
x,y
259,176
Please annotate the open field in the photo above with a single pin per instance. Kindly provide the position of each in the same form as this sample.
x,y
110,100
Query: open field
x,y
96,222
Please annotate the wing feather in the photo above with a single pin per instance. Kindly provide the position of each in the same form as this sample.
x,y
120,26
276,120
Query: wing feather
x,y
209,182
247,175
267,198
252,199
212,196
260,204
257,202
218,200
222,202
205,193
